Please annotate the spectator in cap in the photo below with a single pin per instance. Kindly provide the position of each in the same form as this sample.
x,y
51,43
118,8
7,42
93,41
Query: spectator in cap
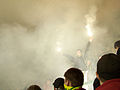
x,y
59,84
74,79
34,87
108,72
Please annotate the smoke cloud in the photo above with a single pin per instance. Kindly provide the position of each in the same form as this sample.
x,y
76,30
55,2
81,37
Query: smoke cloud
x,y
35,35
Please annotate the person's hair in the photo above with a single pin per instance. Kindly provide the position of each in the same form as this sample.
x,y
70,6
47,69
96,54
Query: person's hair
x,y
108,67
34,87
59,83
75,76
117,44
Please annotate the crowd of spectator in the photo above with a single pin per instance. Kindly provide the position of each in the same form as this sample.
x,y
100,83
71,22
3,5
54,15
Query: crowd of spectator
x,y
107,75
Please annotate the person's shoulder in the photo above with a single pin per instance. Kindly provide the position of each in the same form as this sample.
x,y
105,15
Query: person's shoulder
x,y
113,84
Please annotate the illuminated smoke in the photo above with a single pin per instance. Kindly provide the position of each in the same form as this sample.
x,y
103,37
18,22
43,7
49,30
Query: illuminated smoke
x,y
90,21
34,35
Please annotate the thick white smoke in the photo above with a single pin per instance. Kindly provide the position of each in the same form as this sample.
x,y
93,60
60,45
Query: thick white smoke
x,y
34,35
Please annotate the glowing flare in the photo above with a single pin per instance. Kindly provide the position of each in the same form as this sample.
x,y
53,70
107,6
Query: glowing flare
x,y
89,30
59,49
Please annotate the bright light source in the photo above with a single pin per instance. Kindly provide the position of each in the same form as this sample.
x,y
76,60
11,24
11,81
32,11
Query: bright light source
x,y
59,49
90,34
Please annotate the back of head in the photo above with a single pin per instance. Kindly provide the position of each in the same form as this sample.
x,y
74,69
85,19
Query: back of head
x,y
59,83
75,76
34,87
117,44
108,67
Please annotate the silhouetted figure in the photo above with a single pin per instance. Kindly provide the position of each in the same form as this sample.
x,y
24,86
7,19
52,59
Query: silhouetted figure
x,y
59,84
117,47
96,83
78,61
34,87
108,72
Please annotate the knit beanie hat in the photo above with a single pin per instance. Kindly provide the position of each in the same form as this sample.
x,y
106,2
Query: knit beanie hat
x,y
108,67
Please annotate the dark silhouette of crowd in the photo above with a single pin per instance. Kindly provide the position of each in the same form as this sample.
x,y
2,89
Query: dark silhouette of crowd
x,y
107,75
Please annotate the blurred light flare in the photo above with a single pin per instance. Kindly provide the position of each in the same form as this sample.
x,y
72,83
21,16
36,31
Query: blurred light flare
x,y
59,49
89,31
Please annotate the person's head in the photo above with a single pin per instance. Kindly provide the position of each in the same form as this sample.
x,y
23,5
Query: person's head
x,y
117,47
59,84
73,78
108,67
117,44
34,87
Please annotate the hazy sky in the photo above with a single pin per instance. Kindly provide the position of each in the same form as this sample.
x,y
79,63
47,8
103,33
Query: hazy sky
x,y
31,32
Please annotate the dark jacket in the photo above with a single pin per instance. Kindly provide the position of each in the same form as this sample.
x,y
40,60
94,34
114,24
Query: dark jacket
x,y
118,51
96,83
113,84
